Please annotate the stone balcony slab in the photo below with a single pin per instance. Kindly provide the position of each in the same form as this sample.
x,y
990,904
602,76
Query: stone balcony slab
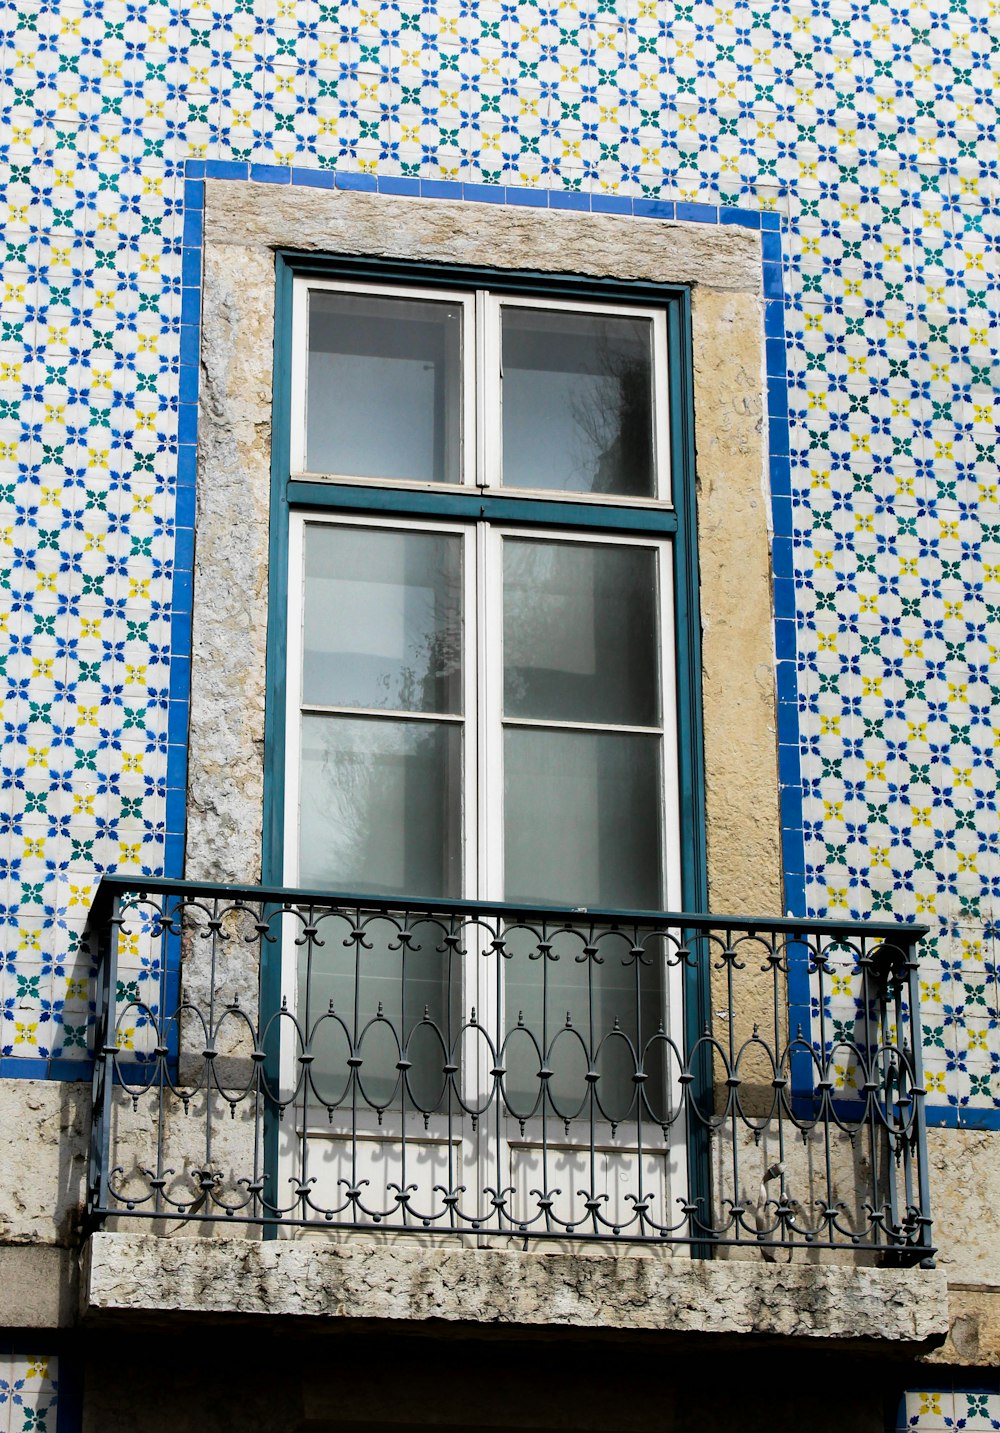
x,y
444,1288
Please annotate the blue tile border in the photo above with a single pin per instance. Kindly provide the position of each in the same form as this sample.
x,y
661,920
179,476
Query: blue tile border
x,y
313,178
344,179
956,1116
261,174
653,209
790,793
181,607
697,213
745,218
429,188
399,185
59,1067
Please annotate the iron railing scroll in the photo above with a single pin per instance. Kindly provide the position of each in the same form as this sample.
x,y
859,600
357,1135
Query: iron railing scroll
x,y
284,1059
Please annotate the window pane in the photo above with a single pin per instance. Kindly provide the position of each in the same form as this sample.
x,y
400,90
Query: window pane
x,y
610,1002
357,981
577,402
580,633
384,387
380,806
383,619
582,818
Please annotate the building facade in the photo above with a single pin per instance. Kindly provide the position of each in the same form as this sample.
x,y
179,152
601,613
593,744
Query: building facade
x,y
526,476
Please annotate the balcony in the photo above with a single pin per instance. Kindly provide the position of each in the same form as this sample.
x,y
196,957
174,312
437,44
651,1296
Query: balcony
x,y
466,1081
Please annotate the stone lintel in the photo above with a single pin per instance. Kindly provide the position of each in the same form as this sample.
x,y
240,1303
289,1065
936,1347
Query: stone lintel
x,y
164,1278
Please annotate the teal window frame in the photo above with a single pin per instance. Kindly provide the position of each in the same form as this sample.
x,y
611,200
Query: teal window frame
x,y
676,522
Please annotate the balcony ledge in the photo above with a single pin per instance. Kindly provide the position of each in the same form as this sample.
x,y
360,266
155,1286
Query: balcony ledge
x,y
177,1279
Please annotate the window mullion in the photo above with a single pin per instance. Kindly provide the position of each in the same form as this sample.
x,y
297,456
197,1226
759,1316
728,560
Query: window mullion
x,y
475,405
488,377
491,712
299,376
293,714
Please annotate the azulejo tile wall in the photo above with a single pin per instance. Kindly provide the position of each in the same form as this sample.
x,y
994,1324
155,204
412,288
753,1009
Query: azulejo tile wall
x,y
29,1392
934,1411
869,130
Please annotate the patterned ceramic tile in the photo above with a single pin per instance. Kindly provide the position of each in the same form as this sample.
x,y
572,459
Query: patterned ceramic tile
x,y
869,131
927,1412
29,1391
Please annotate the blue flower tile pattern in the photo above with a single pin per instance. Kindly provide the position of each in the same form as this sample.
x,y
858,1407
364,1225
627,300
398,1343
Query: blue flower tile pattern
x,y
865,138
29,1392
938,1410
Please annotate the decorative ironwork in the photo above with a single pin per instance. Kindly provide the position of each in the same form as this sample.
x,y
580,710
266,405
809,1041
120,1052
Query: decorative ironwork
x,y
287,1059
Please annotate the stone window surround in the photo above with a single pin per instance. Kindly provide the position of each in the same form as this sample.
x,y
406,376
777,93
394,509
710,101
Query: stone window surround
x,y
244,224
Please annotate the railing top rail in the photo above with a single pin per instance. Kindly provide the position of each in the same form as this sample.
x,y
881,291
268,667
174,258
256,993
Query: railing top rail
x,y
118,884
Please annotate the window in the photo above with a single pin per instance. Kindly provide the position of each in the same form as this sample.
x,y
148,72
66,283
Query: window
x,y
704,279
481,698
259,501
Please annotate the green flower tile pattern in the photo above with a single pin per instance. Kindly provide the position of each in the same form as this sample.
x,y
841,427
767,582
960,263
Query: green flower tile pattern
x,y
868,130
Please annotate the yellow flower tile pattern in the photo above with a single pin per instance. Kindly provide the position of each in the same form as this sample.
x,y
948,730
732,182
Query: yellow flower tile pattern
x,y
866,133
932,1412
29,1390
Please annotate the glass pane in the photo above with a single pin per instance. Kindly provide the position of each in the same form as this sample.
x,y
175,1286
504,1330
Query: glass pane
x,y
580,633
613,1002
408,996
384,387
383,619
380,806
577,402
582,818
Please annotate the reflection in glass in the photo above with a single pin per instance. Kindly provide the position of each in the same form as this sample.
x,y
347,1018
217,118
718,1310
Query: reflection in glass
x,y
577,402
383,619
417,985
614,1003
580,633
380,806
384,387
582,818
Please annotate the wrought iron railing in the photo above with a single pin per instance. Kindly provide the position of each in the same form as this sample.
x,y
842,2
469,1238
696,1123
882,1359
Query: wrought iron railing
x,y
285,1059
